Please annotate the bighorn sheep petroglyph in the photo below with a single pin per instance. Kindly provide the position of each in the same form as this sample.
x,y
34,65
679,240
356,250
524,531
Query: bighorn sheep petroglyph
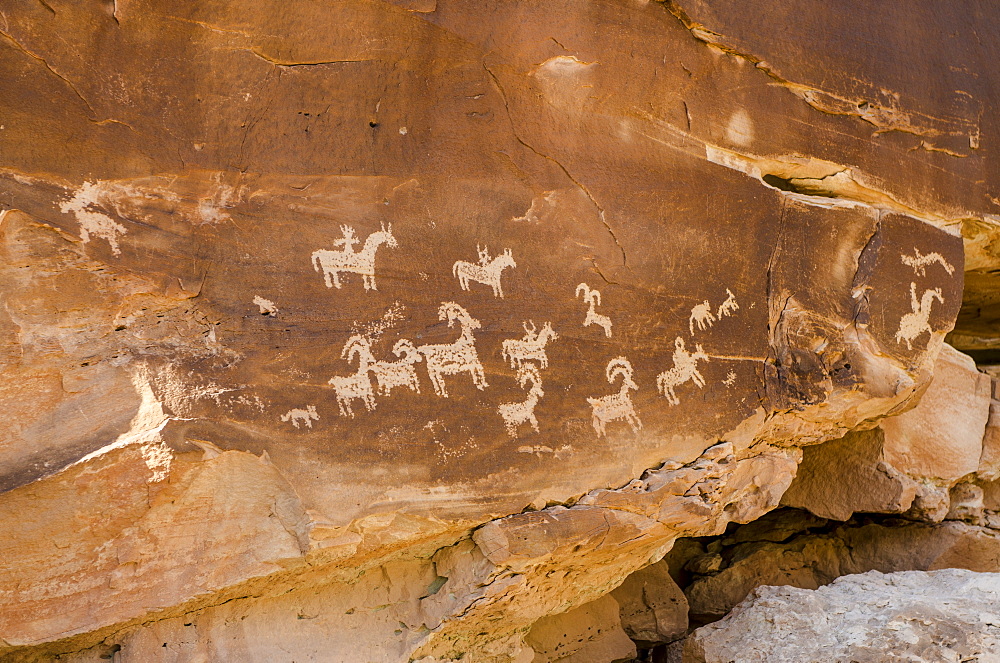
x,y
457,357
616,406
516,414
593,297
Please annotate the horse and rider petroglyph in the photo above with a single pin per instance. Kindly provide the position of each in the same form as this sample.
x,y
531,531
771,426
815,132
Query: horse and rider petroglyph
x,y
333,263
357,386
913,324
919,261
616,406
516,414
593,298
458,357
487,272
531,347
685,368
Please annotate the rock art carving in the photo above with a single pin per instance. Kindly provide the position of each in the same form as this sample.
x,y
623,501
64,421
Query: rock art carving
x,y
350,387
728,307
730,379
531,347
487,272
91,222
616,406
919,262
593,298
332,263
457,357
299,416
516,414
702,316
914,324
401,373
266,306
685,368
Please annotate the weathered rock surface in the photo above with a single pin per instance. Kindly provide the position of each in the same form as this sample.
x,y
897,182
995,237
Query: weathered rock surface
x,y
948,615
911,460
394,328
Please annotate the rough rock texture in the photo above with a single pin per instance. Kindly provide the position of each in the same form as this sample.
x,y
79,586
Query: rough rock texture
x,y
387,329
821,552
923,617
920,454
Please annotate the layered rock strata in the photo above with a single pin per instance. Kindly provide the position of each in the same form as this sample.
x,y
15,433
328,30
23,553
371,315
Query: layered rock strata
x,y
384,331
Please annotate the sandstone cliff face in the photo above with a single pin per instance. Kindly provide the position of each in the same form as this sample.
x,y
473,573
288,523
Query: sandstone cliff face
x,y
384,330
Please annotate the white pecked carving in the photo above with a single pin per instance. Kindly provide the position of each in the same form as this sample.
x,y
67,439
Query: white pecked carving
x,y
685,368
300,416
916,323
516,414
728,307
702,316
390,374
332,263
457,357
350,387
266,306
919,262
593,298
616,406
531,347
730,379
487,272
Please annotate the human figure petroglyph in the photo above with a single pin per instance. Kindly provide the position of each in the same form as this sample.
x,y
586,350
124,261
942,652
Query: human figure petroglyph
x,y
350,387
728,307
516,414
299,416
685,368
916,323
531,347
487,272
401,373
919,262
457,357
616,406
730,379
593,298
332,263
701,315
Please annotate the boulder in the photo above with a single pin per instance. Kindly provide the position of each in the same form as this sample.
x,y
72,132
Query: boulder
x,y
925,617
653,608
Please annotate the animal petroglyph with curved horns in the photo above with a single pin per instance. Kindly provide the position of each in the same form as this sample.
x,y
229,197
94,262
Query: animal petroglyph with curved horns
x,y
332,263
616,406
593,298
401,373
299,416
531,347
359,385
457,357
487,272
916,323
516,414
685,368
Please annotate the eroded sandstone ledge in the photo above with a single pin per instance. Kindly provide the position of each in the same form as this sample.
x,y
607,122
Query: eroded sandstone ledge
x,y
294,342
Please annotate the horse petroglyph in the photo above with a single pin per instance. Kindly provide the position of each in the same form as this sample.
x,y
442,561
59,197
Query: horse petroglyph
x,y
457,357
350,387
616,406
685,368
300,416
516,414
728,307
702,316
487,272
400,373
916,323
332,263
919,262
531,347
593,298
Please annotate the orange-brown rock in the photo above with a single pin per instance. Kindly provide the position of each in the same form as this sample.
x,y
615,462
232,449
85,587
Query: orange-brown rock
x,y
392,328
